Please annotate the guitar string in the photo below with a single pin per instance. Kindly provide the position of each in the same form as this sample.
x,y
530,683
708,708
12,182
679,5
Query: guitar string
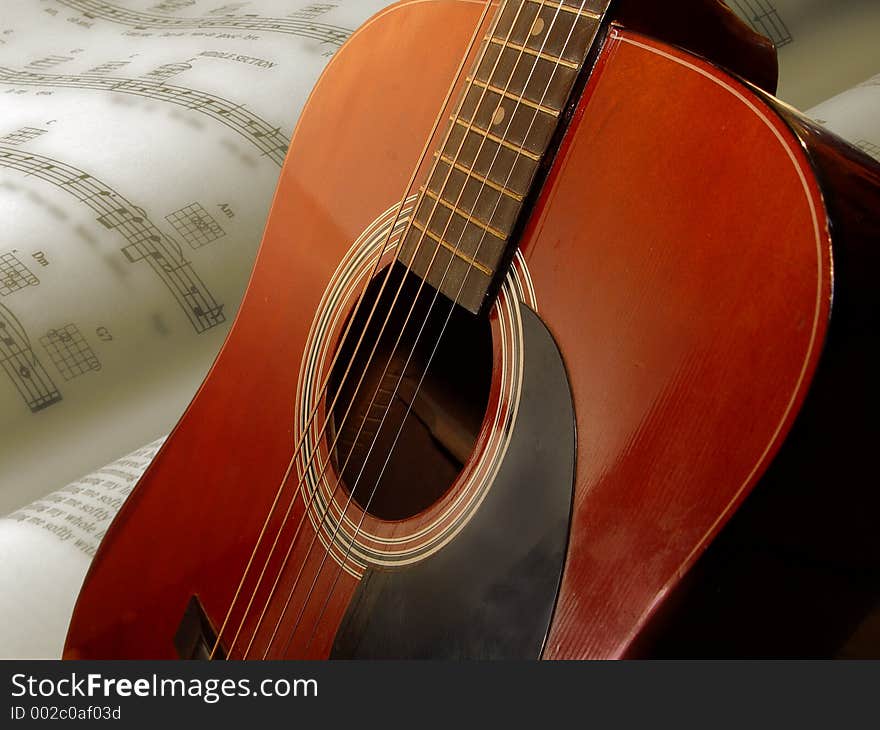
x,y
338,481
353,539
326,463
314,453
418,336
323,467
351,321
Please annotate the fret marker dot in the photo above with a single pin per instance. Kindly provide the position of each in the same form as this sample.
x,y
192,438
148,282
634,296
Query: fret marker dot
x,y
538,27
498,116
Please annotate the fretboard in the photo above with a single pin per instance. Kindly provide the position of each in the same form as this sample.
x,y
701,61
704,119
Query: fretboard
x,y
483,171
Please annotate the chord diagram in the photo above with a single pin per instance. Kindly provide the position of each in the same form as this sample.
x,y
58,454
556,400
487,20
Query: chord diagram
x,y
170,6
22,367
108,67
195,225
212,313
14,275
70,352
167,70
25,134
765,19
49,62
227,9
313,10
869,147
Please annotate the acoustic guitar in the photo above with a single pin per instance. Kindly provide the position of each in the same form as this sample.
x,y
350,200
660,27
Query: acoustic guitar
x,y
546,287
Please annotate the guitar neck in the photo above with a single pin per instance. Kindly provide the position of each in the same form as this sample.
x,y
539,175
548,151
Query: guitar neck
x,y
482,173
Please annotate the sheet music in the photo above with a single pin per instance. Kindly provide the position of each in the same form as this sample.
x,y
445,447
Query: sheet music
x,y
824,47
854,115
140,145
47,546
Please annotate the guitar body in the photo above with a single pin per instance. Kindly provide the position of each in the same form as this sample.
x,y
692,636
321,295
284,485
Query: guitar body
x,y
650,349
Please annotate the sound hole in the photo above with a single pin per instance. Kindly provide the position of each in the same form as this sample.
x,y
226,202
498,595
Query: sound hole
x,y
393,476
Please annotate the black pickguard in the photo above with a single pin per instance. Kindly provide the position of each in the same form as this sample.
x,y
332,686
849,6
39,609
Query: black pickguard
x,y
491,592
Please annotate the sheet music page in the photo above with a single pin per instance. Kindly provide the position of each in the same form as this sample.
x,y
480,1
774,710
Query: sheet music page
x,y
140,145
854,115
46,548
824,46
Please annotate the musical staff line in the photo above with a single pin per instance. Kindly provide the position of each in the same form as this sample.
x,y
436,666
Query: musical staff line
x,y
303,27
21,365
145,241
269,140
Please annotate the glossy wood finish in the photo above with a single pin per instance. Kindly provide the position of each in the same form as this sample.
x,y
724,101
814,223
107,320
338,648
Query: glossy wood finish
x,y
797,570
191,524
706,28
508,118
681,258
693,293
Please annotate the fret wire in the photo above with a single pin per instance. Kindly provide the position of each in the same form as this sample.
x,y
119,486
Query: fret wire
x,y
452,249
480,178
469,218
530,51
471,127
358,526
515,97
284,479
503,5
567,8
216,644
559,62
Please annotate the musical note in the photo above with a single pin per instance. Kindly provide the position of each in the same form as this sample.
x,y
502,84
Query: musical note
x,y
145,242
22,367
119,217
77,179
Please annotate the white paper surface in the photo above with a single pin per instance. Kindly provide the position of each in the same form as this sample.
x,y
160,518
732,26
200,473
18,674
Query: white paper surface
x,y
854,115
825,46
139,151
46,548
